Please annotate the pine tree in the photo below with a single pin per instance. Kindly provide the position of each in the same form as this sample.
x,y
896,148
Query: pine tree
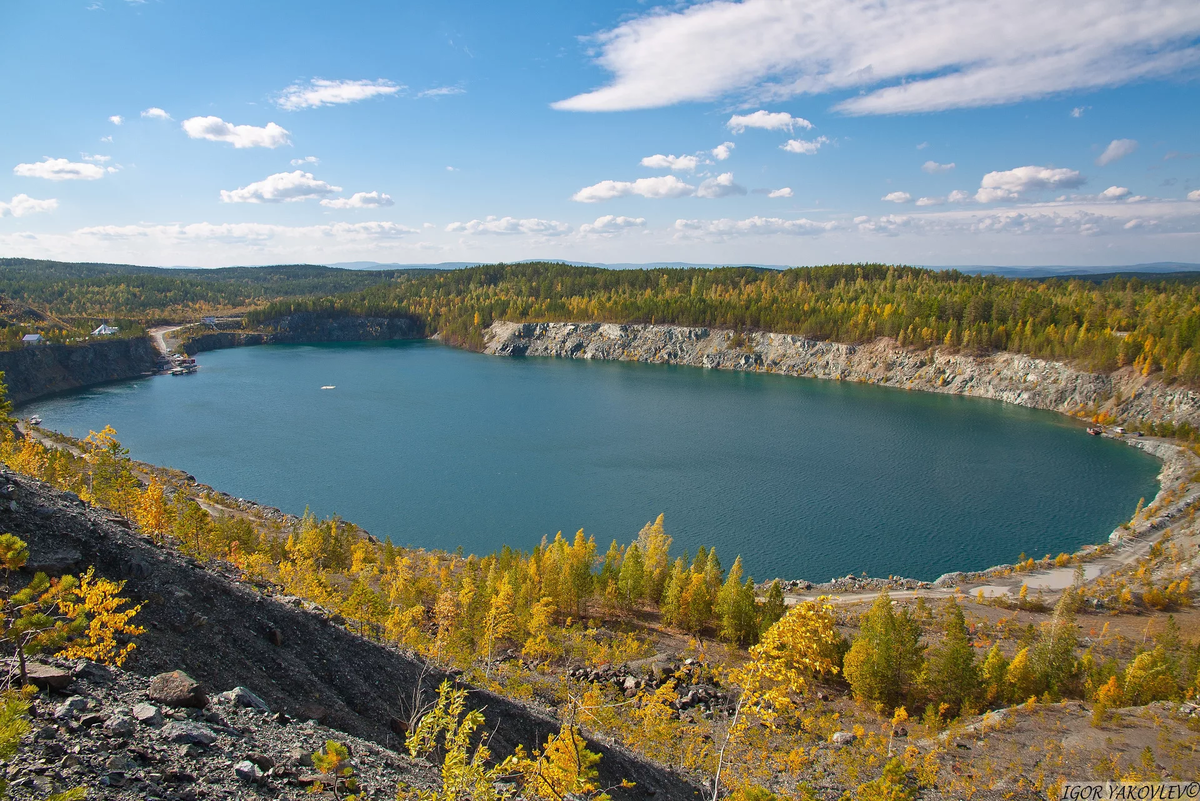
x,y
632,581
736,609
773,608
994,675
885,658
951,676
695,604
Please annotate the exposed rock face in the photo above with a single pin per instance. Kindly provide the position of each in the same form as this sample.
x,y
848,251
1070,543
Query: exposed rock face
x,y
311,327
1007,377
43,370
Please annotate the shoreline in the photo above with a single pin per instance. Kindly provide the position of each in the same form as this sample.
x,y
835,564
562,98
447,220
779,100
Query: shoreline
x,y
1010,378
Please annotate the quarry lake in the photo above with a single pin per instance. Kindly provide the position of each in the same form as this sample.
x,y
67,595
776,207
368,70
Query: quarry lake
x,y
436,447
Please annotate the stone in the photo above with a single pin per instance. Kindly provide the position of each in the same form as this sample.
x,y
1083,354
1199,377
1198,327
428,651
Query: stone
x,y
301,756
263,761
177,689
187,732
275,637
147,714
843,738
118,763
120,725
70,707
248,772
45,677
241,696
630,683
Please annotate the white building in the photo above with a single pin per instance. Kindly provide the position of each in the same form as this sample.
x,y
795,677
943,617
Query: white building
x,y
105,330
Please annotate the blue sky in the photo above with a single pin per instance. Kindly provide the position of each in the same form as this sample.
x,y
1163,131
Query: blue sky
x,y
938,132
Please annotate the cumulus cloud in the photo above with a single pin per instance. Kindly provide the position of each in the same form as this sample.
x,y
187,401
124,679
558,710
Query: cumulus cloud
x,y
306,160
116,119
608,225
752,226
155,113
903,56
805,146
897,197
1114,193
932,167
675,163
722,151
509,226
1011,184
95,159
321,92
21,205
1117,149
1194,194
929,201
768,121
359,200
62,170
721,186
282,187
216,129
659,187
959,196
784,192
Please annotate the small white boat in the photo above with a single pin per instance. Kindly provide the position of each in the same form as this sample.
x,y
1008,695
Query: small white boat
x,y
329,386
35,420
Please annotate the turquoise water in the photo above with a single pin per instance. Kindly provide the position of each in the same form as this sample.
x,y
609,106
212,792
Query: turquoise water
x,y
438,447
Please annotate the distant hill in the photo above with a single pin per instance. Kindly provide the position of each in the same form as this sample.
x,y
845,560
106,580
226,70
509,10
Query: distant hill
x,y
1047,271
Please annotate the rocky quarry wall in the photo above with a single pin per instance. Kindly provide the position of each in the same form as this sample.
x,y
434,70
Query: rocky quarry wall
x,y
1008,377
40,370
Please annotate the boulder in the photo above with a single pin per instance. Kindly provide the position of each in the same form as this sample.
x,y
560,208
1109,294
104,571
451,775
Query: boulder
x,y
147,714
177,689
248,772
843,738
119,725
45,677
70,707
241,696
183,731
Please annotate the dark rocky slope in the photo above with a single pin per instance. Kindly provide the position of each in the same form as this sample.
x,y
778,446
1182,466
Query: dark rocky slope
x,y
225,634
46,369
310,327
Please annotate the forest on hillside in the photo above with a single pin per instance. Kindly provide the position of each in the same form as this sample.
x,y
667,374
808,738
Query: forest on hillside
x,y
1150,322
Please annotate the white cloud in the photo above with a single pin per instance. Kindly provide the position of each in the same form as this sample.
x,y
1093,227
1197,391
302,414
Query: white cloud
x,y
897,197
752,226
904,56
509,226
359,200
959,196
1117,149
768,121
442,91
922,146
282,187
1194,194
1114,193
932,167
721,186
784,192
1011,184
929,201
306,160
106,139
722,151
804,146
663,186
62,170
21,205
321,92
451,169
156,113
216,129
675,163
1077,112
116,119
246,233
95,159
608,224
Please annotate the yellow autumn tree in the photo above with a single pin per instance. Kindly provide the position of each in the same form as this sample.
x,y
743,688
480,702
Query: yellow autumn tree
x,y
153,512
99,601
500,623
563,768
541,623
